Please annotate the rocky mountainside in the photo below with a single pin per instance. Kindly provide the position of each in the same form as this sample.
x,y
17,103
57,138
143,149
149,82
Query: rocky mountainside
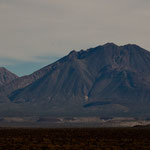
x,y
105,80
22,82
6,76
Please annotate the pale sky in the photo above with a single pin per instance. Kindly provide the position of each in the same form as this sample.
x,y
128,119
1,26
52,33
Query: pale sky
x,y
34,33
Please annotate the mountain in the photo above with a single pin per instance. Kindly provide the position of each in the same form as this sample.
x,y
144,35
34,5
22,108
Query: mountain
x,y
23,81
107,80
6,76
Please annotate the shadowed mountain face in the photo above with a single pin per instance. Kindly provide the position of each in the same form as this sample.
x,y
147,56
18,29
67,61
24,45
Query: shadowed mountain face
x,y
106,79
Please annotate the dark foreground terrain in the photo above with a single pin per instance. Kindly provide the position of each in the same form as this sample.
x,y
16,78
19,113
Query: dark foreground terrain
x,y
75,139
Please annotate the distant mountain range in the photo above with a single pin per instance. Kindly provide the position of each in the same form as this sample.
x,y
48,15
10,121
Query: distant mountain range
x,y
107,80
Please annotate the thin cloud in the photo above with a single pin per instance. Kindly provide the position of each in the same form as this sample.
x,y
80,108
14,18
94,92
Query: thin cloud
x,y
33,28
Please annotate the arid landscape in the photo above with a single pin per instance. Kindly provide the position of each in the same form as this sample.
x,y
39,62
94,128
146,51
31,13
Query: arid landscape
x,y
75,122
74,75
75,139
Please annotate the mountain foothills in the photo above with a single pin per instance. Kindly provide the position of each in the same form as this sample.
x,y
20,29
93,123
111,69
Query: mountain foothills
x,y
104,81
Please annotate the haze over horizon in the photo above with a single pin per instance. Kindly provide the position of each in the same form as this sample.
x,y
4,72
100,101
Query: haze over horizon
x,y
35,33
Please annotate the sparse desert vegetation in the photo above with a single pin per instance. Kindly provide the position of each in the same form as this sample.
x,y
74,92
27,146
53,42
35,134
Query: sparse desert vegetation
x,y
75,139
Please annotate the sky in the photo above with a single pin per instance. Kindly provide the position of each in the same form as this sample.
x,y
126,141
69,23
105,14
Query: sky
x,y
35,33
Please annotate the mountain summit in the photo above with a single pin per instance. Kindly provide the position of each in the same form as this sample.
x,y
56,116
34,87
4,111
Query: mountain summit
x,y
107,80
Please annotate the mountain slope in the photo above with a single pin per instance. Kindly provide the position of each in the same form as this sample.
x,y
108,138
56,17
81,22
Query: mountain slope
x,y
22,82
6,76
